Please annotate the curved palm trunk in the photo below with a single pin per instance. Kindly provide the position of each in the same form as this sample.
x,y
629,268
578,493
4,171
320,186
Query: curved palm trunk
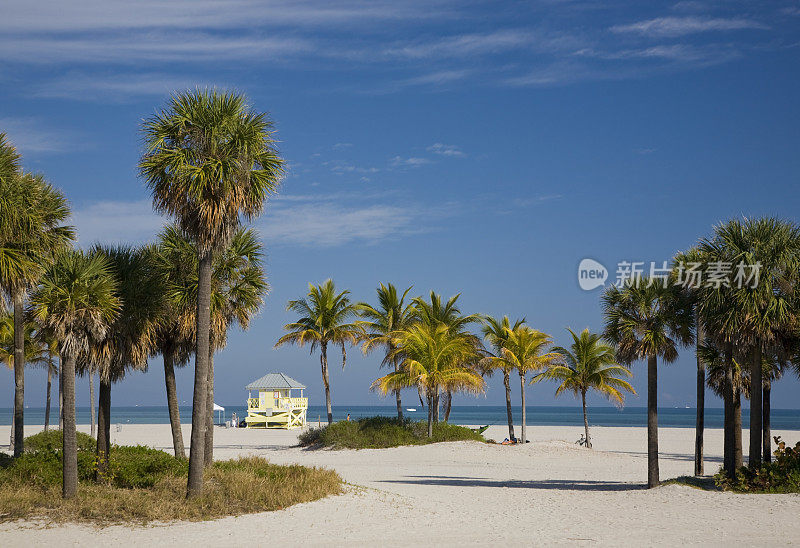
x,y
737,430
103,429
69,483
194,484
448,405
701,404
523,438
767,441
172,404
585,420
652,422
323,360
397,395
47,401
208,448
509,414
19,373
436,408
91,403
756,386
430,416
727,397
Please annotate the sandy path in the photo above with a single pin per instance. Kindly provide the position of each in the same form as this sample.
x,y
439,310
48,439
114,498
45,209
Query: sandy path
x,y
547,492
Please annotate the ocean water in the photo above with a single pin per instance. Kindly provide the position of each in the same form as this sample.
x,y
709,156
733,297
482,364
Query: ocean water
x,y
786,419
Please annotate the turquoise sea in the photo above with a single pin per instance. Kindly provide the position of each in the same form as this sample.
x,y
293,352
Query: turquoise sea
x,y
787,419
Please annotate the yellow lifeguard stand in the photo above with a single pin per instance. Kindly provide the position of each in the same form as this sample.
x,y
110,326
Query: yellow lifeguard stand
x,y
275,407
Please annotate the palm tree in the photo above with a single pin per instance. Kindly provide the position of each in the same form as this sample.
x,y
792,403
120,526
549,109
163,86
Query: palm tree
x,y
131,337
645,320
76,303
391,314
209,161
694,259
523,350
325,319
30,232
447,313
51,348
590,364
432,360
766,307
495,332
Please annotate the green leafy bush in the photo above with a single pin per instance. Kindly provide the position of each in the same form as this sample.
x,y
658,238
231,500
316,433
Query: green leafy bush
x,y
140,466
782,475
382,432
51,441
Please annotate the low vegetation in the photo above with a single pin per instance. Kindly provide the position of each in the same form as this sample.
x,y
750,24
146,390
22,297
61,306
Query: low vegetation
x,y
782,475
382,432
145,484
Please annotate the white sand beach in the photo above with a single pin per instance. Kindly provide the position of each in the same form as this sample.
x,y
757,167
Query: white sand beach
x,y
549,491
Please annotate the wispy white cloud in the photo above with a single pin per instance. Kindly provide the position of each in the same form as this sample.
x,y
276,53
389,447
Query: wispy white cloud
x,y
86,87
33,135
399,161
467,45
116,222
681,26
446,150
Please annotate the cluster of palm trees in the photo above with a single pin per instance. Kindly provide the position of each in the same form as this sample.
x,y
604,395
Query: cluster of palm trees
x,y
429,347
210,162
746,328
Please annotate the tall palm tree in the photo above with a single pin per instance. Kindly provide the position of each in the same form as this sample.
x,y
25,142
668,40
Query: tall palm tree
x,y
325,319
391,314
687,261
131,337
647,320
589,364
51,349
447,313
432,360
76,303
31,216
524,351
766,307
209,161
495,332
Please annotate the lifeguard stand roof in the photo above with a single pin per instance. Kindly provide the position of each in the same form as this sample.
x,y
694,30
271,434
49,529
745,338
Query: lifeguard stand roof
x,y
274,381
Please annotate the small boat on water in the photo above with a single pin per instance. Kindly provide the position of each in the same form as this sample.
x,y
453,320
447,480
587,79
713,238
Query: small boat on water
x,y
411,408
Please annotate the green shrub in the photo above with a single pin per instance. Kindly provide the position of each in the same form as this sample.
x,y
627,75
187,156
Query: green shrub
x,y
383,432
51,441
782,475
140,466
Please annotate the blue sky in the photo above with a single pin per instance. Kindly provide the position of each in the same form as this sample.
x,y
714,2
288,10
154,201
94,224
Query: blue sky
x,y
475,147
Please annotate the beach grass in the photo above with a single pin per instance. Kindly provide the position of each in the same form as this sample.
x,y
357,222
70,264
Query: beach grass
x,y
146,485
383,432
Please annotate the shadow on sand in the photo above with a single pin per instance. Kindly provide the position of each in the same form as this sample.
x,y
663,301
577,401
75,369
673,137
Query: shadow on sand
x,y
561,485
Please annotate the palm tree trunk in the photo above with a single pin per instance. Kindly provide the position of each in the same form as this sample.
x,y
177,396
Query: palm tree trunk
x,y
756,386
652,422
436,408
701,403
172,404
523,438
397,394
767,441
448,405
194,484
91,402
430,415
727,396
47,401
585,420
103,429
19,373
323,360
509,414
208,448
69,484
738,461
60,394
